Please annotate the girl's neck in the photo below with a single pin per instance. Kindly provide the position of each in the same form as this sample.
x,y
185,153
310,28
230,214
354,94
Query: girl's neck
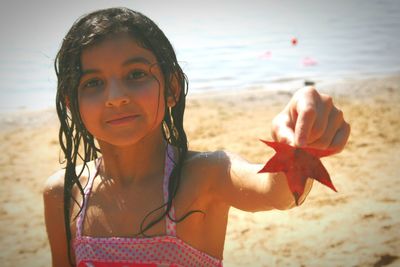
x,y
133,164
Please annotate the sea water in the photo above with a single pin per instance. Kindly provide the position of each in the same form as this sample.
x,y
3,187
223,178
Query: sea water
x,y
221,45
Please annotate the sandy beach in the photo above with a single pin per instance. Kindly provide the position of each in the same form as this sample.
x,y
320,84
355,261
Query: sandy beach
x,y
357,226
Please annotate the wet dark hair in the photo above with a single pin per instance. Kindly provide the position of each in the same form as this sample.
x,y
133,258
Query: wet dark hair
x,y
75,140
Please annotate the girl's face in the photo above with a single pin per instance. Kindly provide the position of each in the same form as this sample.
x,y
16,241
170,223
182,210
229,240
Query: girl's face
x,y
121,91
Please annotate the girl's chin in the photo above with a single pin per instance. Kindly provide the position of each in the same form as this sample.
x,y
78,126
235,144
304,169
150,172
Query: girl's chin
x,y
126,140
120,142
123,137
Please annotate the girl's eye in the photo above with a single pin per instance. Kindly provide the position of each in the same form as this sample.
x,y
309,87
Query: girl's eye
x,y
93,83
136,75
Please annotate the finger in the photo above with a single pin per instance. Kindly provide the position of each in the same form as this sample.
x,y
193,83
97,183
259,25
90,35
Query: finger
x,y
323,113
341,137
335,121
306,110
282,130
285,135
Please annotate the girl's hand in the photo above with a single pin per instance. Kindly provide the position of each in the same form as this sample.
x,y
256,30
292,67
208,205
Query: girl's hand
x,y
311,120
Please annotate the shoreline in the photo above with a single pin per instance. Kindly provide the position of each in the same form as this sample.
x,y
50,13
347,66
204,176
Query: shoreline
x,y
283,85
356,226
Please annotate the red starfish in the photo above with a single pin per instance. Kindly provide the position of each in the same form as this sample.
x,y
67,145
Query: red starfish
x,y
298,164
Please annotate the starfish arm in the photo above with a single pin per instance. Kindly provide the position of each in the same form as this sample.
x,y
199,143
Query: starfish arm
x,y
320,174
296,182
275,164
279,147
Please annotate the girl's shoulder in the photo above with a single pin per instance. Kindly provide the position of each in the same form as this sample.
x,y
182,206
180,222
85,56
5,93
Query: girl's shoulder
x,y
207,175
54,184
215,168
212,160
207,159
208,166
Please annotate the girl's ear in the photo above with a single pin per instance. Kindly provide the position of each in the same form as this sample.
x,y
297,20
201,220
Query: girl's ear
x,y
173,92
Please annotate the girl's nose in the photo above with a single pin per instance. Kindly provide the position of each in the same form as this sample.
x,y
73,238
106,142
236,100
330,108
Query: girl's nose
x,y
116,95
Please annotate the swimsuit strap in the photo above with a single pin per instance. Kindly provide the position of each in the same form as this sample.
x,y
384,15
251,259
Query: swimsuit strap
x,y
169,165
87,190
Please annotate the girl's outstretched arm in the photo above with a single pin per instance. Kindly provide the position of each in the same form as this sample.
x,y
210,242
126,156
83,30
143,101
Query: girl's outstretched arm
x,y
53,196
309,120
237,183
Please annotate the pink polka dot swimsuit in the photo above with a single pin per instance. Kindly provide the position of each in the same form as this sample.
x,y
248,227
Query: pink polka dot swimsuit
x,y
159,251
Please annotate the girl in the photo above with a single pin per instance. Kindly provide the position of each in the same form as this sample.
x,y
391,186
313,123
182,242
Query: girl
x,y
148,200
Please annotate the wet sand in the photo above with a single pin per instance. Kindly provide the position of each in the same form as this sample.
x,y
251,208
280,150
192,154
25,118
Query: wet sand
x,y
358,226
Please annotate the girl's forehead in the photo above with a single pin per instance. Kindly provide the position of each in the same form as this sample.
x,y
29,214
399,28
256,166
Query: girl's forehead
x,y
115,48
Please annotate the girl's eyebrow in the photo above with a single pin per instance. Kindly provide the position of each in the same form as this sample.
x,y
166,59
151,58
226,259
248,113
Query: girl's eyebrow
x,y
127,62
136,60
89,71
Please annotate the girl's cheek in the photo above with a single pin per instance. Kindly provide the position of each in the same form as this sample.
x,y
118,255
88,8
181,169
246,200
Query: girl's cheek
x,y
90,99
145,87
89,108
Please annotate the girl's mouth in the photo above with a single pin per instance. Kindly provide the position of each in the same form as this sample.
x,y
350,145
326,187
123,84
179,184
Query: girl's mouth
x,y
123,120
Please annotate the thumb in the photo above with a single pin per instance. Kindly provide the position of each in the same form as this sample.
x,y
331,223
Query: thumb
x,y
282,131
